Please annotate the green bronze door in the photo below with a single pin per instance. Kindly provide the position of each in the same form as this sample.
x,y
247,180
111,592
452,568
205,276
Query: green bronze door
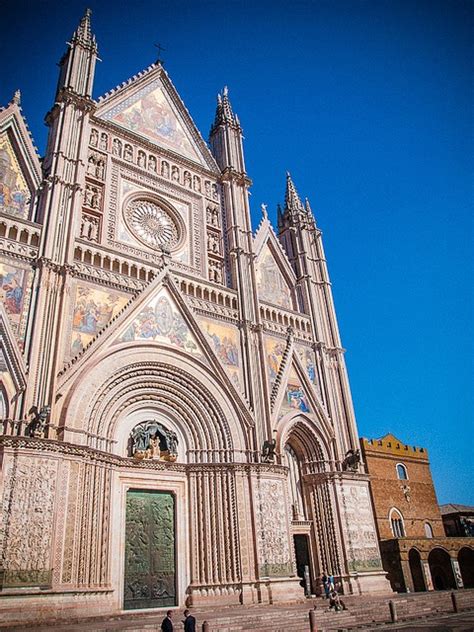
x,y
149,550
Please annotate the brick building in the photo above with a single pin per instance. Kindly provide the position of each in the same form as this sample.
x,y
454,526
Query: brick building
x,y
416,552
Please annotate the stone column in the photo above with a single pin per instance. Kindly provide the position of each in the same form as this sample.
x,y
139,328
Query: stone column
x,y
457,573
425,567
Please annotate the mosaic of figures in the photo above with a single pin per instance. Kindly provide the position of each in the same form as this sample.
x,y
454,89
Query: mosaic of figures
x,y
294,397
308,361
149,113
274,349
271,284
14,192
360,529
224,340
160,321
93,310
14,294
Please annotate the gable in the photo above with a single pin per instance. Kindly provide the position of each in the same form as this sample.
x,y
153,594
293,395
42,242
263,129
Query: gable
x,y
294,395
160,320
272,285
151,113
15,195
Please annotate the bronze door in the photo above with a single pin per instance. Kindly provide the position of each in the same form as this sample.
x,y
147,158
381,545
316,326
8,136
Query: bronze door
x,y
150,567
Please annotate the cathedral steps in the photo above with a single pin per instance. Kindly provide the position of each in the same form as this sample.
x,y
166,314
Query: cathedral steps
x,y
363,613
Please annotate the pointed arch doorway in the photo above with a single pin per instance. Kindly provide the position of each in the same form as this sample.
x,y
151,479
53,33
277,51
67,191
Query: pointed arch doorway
x,y
311,506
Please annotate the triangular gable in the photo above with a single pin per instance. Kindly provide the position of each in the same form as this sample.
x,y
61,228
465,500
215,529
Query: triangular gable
x,y
160,320
150,107
295,397
275,276
11,359
20,169
296,393
272,284
159,314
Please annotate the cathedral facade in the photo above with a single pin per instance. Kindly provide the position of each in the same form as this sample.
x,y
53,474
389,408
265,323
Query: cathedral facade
x,y
177,425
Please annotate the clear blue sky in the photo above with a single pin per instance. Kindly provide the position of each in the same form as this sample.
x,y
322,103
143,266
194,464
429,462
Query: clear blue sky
x,y
370,106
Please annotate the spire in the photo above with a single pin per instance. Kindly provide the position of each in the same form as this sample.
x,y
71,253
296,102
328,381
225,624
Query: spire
x,y
16,98
224,113
292,199
83,35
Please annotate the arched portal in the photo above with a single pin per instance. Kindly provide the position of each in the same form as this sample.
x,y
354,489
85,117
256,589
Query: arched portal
x,y
416,570
441,569
466,566
306,454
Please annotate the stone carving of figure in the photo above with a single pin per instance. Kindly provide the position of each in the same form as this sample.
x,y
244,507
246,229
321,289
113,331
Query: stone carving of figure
x,y
215,217
100,169
214,191
103,141
91,165
351,461
212,243
93,229
207,188
197,184
37,425
209,215
151,439
128,153
89,194
117,147
165,169
141,159
175,174
152,164
94,139
187,179
268,451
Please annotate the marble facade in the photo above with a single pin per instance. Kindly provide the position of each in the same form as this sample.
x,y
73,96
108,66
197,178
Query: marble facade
x,y
135,292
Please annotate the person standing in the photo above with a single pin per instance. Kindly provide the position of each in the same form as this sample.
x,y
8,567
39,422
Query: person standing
x,y
167,623
189,622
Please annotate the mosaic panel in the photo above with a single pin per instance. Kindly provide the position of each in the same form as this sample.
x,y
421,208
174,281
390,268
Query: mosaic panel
x,y
224,340
149,113
274,350
93,310
14,192
308,360
294,397
15,285
271,284
160,321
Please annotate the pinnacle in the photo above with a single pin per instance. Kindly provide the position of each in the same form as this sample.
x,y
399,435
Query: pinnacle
x,y
16,97
292,199
224,113
83,32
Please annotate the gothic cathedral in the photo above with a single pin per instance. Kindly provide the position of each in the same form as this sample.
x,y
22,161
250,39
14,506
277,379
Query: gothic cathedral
x,y
177,425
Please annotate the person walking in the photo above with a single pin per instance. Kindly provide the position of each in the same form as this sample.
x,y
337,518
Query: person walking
x,y
189,622
325,581
167,623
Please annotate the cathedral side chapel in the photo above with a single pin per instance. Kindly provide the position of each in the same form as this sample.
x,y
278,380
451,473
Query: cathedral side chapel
x,y
177,425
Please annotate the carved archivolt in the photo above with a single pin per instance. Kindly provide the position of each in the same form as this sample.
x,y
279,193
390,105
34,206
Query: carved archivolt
x,y
176,387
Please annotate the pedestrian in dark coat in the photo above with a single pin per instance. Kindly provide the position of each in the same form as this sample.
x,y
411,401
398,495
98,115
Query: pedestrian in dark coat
x,y
167,624
189,622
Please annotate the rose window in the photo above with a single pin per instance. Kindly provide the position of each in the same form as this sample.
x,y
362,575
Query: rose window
x,y
152,224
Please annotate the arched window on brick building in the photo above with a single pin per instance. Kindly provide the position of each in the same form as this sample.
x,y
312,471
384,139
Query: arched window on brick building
x,y
396,523
402,473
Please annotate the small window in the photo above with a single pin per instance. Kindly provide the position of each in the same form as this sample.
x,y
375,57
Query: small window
x,y
396,524
402,472
428,530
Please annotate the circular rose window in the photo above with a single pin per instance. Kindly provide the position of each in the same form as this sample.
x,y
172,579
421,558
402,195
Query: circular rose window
x,y
152,224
